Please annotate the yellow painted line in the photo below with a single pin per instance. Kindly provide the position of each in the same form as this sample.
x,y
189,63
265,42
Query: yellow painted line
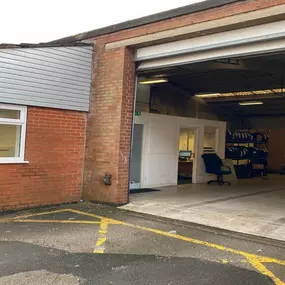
x,y
262,269
99,247
23,218
196,241
200,242
103,227
253,259
208,244
100,241
110,221
56,221
99,251
34,215
271,260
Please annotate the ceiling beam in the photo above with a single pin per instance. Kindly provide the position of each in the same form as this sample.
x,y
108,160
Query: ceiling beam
x,y
215,109
244,98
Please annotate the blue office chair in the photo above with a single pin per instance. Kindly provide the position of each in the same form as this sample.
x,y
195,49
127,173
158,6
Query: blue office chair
x,y
214,165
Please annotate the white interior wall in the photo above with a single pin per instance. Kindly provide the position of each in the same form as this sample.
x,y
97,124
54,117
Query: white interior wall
x,y
210,137
161,147
209,140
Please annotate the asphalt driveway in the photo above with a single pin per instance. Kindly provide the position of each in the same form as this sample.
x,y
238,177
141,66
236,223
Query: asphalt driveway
x,y
92,244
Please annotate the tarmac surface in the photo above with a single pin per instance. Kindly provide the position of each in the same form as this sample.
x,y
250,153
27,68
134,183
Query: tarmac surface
x,y
90,244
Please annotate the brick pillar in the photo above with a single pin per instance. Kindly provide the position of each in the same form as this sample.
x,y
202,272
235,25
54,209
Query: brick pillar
x,y
109,125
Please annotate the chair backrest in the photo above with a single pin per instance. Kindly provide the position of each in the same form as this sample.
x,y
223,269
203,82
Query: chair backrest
x,y
212,162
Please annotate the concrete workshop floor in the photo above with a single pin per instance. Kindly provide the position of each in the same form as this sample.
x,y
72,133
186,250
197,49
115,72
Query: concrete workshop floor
x,y
251,206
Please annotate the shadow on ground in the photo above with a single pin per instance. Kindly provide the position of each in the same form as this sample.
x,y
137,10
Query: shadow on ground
x,y
119,269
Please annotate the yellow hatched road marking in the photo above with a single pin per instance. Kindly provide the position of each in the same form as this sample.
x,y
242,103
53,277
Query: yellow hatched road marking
x,y
33,215
40,214
255,260
110,221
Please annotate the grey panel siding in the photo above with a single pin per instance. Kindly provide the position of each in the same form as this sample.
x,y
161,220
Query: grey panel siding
x,y
54,77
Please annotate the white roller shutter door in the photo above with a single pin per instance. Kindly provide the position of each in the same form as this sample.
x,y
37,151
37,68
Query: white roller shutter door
x,y
265,38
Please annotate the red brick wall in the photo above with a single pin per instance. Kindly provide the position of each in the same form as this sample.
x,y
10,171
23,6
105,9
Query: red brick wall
x,y
109,125
55,141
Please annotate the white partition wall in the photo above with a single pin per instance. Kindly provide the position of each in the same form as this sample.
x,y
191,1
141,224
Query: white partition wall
x,y
159,164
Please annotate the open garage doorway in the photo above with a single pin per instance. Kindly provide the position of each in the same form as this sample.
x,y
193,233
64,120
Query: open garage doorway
x,y
237,108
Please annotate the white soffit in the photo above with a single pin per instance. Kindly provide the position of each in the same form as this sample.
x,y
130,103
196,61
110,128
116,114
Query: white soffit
x,y
252,40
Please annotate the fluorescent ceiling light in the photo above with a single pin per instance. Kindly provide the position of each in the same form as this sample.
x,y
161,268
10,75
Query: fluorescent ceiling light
x,y
239,94
209,95
249,103
154,81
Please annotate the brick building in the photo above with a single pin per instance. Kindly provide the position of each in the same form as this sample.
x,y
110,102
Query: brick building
x,y
44,101
117,50
120,52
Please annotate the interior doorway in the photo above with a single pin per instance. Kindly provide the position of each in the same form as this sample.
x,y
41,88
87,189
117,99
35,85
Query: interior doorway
x,y
187,153
136,157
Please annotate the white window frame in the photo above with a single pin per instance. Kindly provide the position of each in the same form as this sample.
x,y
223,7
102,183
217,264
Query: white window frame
x,y
22,121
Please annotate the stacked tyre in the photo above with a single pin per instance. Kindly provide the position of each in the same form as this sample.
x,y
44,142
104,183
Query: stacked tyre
x,y
256,152
237,152
236,136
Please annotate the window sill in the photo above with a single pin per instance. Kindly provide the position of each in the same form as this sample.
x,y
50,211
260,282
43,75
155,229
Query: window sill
x,y
14,162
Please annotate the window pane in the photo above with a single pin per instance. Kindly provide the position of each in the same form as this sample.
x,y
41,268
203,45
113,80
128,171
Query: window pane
x,y
9,114
10,140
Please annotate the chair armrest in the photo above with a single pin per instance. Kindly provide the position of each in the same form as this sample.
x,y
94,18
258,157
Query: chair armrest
x,y
227,167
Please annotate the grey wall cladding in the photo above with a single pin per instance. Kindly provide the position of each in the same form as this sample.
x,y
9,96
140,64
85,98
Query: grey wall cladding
x,y
54,77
